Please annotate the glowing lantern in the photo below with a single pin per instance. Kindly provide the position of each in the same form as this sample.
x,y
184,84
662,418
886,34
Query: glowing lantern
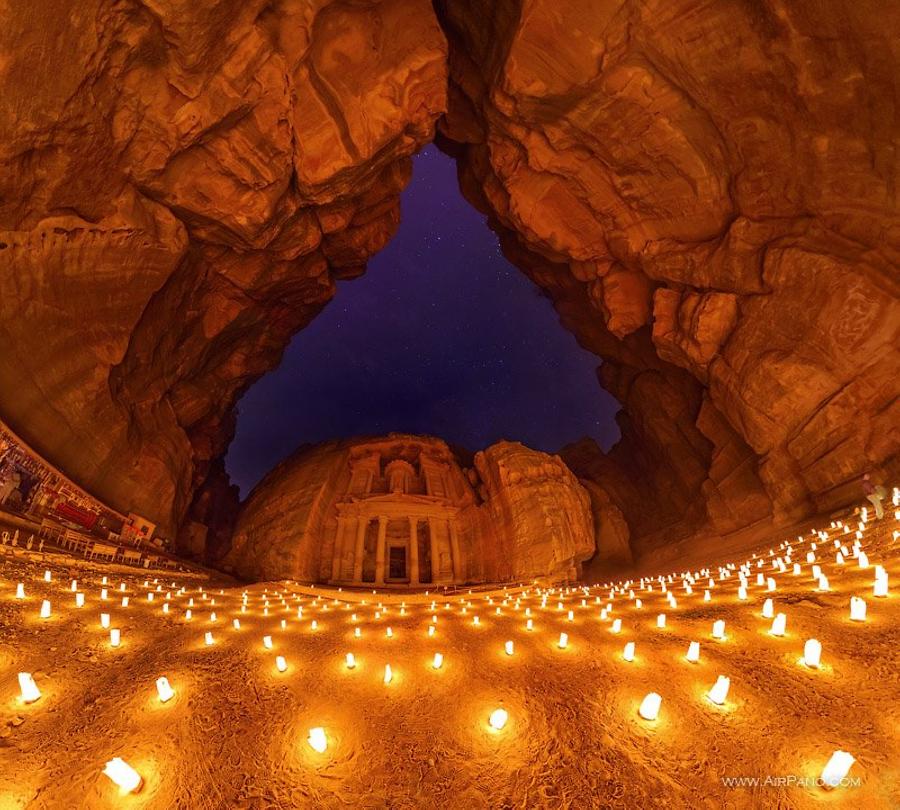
x,y
267,642
718,630
74,585
165,691
508,647
79,600
430,629
280,663
104,620
706,596
529,625
314,625
236,624
47,576
863,560
115,636
720,690
649,708
351,661
837,768
812,653
823,583
20,591
693,653
28,688
742,593
778,625
45,609
881,584
498,719
438,660
317,740
857,609
126,777
628,654
166,608
768,610
616,625
358,634
388,673
563,640
770,584
571,615
208,639
212,616
187,615
661,620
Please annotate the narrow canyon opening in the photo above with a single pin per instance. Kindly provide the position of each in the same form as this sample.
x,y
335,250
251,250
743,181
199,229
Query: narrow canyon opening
x,y
423,404
441,336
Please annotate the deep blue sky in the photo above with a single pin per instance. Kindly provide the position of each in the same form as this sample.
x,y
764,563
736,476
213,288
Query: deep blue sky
x,y
441,335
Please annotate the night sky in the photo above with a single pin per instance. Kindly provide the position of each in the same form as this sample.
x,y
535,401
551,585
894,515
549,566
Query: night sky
x,y
441,336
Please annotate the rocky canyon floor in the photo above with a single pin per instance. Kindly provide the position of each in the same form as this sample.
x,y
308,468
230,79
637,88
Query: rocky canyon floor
x,y
235,733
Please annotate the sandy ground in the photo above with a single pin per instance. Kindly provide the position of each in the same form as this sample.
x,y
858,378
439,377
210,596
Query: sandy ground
x,y
234,735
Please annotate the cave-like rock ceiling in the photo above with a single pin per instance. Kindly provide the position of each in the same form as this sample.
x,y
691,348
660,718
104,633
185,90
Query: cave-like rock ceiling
x,y
707,191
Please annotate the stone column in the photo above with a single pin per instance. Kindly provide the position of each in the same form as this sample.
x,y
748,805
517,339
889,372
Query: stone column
x,y
413,551
337,550
454,551
435,557
361,525
379,552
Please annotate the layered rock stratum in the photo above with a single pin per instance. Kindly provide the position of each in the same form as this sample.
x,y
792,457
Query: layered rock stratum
x,y
183,183
707,191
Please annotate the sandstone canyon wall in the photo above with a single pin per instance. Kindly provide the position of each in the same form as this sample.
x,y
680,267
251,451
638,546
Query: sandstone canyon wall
x,y
182,184
708,192
517,515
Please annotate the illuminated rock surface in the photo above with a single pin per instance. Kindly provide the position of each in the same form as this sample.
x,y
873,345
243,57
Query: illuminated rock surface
x,y
182,185
708,193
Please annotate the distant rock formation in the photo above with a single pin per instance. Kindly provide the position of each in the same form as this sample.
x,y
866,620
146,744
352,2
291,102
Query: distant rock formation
x,y
402,510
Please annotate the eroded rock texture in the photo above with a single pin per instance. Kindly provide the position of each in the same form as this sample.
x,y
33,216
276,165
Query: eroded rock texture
x,y
708,192
321,516
182,184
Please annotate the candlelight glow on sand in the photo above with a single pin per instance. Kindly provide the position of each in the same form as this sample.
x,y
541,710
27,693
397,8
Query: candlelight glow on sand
x,y
582,719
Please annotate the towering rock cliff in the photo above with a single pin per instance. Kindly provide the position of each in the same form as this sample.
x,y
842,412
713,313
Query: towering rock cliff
x,y
707,190
182,185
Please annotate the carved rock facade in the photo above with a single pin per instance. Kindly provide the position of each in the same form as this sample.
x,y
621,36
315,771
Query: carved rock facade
x,y
402,510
